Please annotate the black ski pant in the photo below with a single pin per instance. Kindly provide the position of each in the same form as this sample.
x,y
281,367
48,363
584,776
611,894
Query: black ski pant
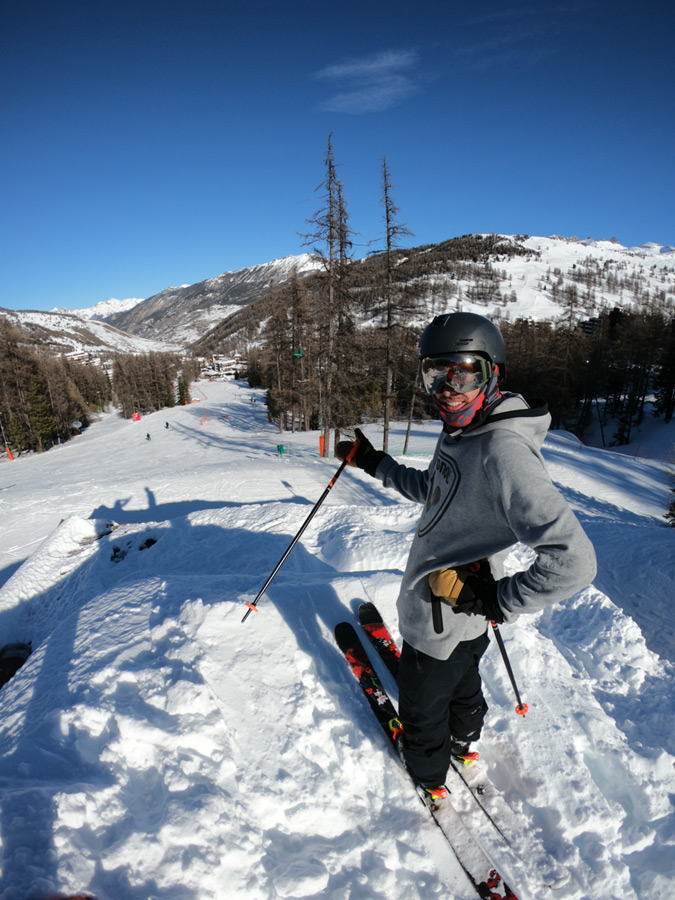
x,y
440,702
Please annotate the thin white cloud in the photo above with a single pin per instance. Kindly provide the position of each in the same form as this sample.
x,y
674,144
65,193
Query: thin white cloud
x,y
522,47
551,13
370,84
524,35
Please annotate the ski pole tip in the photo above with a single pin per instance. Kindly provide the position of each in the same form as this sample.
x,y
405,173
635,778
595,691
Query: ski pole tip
x,y
251,608
522,708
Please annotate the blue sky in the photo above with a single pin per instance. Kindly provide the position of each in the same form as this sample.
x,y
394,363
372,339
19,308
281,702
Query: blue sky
x,y
146,144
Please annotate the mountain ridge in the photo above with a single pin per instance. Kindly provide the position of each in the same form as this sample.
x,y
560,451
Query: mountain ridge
x,y
206,302
503,276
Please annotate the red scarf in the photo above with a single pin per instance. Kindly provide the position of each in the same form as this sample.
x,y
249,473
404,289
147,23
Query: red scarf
x,y
465,416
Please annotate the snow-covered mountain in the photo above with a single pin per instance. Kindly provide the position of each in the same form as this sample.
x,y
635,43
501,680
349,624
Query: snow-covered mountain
x,y
71,332
605,274
518,277
153,747
524,277
507,277
168,321
185,314
106,308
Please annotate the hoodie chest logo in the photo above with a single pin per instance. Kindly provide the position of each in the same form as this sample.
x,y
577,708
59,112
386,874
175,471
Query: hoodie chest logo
x,y
442,488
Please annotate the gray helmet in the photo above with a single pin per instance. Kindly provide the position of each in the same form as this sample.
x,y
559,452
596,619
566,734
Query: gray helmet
x,y
464,332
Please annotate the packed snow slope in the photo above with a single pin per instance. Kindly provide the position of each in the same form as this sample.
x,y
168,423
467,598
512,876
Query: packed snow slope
x,y
153,747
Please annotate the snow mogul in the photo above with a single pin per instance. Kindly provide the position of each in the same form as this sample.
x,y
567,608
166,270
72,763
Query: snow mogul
x,y
487,488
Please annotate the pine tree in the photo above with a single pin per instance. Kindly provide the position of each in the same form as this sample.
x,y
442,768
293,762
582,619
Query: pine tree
x,y
393,232
670,512
665,375
331,242
183,390
302,384
43,429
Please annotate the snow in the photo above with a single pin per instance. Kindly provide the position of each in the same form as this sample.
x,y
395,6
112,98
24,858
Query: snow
x,y
526,285
531,278
153,747
71,332
106,308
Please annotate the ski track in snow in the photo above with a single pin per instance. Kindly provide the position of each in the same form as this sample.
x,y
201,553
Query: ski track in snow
x,y
153,746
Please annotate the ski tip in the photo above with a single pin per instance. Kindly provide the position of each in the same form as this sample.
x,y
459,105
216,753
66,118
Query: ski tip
x,y
345,635
368,613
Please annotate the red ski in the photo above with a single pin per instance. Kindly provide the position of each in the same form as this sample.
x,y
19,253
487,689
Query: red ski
x,y
478,867
471,785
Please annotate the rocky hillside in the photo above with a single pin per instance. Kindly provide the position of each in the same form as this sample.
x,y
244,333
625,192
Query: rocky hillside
x,y
501,276
64,332
184,314
504,276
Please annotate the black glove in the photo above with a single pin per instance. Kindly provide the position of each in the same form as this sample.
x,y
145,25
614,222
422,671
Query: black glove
x,y
479,598
366,456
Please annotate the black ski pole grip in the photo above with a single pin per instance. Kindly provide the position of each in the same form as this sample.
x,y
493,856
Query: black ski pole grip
x,y
437,614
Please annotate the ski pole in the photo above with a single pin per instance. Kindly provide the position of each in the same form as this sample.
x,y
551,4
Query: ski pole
x,y
350,456
522,708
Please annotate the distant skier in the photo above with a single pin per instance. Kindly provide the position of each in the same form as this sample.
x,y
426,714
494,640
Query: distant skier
x,y
486,489
147,437
166,424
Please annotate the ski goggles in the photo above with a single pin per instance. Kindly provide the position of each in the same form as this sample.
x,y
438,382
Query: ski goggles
x,y
462,372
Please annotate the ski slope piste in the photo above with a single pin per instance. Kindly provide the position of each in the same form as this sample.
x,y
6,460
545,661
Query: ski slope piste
x,y
153,747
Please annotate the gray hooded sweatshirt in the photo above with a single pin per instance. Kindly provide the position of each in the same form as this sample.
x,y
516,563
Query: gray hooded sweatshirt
x,y
484,492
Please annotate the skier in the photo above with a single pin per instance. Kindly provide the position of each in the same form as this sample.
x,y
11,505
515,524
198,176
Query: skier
x,y
486,489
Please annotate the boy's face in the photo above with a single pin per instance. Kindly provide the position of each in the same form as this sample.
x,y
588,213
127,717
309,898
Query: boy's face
x,y
454,401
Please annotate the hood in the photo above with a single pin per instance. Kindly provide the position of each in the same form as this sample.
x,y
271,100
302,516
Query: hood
x,y
512,413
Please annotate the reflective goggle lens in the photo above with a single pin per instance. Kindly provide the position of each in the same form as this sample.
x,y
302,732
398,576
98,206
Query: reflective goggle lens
x,y
463,372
